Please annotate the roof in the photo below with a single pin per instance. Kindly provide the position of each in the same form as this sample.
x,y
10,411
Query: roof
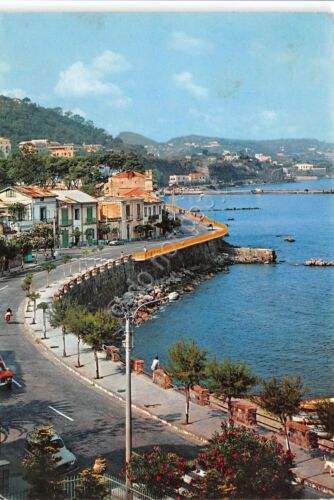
x,y
128,174
74,195
141,193
196,174
33,191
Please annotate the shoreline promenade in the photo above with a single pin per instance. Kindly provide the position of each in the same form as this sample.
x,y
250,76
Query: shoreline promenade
x,y
165,406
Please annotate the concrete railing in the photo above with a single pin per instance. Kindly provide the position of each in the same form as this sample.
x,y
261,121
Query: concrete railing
x,y
222,230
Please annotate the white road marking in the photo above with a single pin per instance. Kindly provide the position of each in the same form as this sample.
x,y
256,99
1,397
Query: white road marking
x,y
60,413
4,287
16,383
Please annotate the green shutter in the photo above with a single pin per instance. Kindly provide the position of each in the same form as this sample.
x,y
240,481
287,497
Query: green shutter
x,y
64,216
89,215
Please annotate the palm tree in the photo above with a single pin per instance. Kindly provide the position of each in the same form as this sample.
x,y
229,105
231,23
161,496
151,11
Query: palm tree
x,y
33,296
27,286
187,366
44,306
48,267
229,380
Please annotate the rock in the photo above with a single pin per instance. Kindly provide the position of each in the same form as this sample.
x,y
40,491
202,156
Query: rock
x,y
147,298
128,296
173,296
289,239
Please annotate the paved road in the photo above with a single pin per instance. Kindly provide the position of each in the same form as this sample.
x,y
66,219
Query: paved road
x,y
91,423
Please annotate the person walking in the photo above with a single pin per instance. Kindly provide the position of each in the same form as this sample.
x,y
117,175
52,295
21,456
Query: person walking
x,y
155,366
8,315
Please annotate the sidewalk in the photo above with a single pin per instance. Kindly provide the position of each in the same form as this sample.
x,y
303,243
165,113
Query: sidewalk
x,y
167,406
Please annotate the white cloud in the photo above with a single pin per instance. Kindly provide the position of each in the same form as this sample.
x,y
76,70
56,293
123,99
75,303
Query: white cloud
x,y
186,81
181,41
110,62
18,93
80,80
268,115
120,103
78,111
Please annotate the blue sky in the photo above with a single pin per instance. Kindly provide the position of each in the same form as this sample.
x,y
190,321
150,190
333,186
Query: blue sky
x,y
235,75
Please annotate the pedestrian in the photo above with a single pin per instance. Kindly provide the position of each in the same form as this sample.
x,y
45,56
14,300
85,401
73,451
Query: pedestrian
x,y
8,315
122,255
145,250
154,367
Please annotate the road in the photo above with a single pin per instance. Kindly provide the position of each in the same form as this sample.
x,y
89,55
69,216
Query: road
x,y
90,422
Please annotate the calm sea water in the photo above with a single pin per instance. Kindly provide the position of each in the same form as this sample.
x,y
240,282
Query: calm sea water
x,y
279,318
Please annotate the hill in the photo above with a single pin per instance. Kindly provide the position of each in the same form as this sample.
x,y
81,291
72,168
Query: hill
x,y
135,139
23,120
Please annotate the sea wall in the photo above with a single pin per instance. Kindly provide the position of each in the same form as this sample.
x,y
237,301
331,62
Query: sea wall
x,y
99,287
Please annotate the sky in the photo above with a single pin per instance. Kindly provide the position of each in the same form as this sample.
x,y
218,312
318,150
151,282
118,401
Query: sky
x,y
163,75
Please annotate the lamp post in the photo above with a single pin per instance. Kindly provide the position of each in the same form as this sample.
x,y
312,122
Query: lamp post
x,y
128,345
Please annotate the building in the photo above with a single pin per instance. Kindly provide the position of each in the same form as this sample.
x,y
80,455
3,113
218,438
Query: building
x,y
64,150
76,217
262,158
35,145
31,205
193,178
92,148
303,166
119,184
132,216
5,146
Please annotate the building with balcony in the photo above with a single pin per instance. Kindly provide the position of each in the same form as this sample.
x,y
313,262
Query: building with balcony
x,y
29,205
76,217
64,150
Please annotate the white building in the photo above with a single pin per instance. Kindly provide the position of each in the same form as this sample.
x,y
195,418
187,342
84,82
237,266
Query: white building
x,y
303,166
193,178
262,158
38,145
33,205
76,217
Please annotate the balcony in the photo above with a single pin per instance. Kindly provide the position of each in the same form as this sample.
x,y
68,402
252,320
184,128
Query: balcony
x,y
46,220
92,220
66,222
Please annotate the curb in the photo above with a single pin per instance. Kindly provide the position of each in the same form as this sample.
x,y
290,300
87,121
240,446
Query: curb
x,y
110,393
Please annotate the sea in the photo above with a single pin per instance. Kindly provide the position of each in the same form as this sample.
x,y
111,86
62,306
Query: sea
x,y
277,318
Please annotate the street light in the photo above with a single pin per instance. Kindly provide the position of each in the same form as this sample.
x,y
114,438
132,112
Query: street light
x,y
128,345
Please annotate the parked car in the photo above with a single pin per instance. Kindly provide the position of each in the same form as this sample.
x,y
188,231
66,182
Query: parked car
x,y
67,462
6,376
113,243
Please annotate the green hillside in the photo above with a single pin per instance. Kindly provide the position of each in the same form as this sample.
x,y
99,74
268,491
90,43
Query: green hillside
x,y
135,139
22,120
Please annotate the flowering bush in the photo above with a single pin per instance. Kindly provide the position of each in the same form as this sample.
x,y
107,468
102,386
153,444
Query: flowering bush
x,y
160,472
240,463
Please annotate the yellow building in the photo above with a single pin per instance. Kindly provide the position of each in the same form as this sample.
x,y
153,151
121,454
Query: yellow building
x,y
64,150
119,184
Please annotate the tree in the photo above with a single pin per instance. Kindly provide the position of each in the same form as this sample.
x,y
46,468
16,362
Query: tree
x,y
23,241
229,380
42,237
325,411
238,463
92,486
40,464
99,328
160,472
65,260
48,267
104,230
26,286
187,366
76,323
44,306
17,210
282,398
33,296
59,318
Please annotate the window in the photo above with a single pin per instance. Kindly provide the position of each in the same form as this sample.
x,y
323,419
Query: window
x,y
89,215
145,211
138,211
153,209
149,211
77,214
160,209
127,211
10,194
42,213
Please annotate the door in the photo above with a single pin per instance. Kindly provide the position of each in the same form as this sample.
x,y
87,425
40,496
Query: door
x,y
89,215
65,238
128,232
90,236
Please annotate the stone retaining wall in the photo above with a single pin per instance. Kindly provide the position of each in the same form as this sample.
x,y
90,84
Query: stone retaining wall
x,y
101,287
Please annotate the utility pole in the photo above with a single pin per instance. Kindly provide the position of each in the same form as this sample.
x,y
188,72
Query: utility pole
x,y
128,402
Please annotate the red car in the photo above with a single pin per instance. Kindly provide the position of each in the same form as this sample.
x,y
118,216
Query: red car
x,y
6,376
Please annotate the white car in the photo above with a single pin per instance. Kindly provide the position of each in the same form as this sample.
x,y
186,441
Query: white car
x,y
67,462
